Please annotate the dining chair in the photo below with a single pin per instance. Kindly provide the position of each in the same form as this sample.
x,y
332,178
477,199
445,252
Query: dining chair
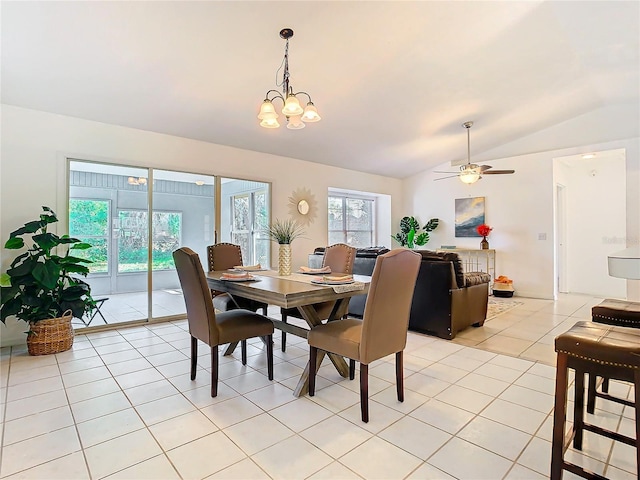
x,y
339,257
223,256
233,326
382,330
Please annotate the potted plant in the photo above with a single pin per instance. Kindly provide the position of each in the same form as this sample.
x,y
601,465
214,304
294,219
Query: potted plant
x,y
39,287
410,235
284,232
484,230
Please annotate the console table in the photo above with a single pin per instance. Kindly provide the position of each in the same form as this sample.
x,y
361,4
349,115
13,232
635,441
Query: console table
x,y
476,260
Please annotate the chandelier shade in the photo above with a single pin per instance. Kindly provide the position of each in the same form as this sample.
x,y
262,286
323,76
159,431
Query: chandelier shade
x,y
295,115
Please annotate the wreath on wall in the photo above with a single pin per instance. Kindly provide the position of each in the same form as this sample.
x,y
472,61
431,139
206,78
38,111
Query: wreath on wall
x,y
303,207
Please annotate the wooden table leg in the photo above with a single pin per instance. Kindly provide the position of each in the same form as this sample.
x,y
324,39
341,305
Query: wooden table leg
x,y
311,316
232,346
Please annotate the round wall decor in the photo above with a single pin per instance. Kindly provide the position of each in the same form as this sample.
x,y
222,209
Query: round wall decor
x,y
302,206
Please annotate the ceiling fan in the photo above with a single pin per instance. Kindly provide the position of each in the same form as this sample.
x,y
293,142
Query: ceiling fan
x,y
471,172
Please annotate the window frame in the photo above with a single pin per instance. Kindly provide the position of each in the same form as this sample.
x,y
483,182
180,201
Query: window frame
x,y
345,232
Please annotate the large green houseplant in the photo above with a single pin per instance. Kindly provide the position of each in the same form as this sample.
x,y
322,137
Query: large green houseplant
x,y
40,283
410,234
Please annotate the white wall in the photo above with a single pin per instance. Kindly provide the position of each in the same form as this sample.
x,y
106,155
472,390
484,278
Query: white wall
x,y
34,145
520,207
595,192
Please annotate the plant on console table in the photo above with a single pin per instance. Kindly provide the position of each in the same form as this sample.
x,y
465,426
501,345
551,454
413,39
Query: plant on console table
x,y
284,232
484,230
39,287
410,234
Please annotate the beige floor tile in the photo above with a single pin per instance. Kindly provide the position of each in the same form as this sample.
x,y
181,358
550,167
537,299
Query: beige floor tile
x,y
96,407
182,429
300,414
108,427
257,433
336,435
292,458
131,449
415,437
69,467
156,468
164,408
232,411
443,416
37,424
379,459
205,456
38,450
242,470
333,471
506,345
485,465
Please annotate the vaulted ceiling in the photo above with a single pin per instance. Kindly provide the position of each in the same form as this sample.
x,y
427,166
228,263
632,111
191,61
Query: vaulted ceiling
x,y
393,81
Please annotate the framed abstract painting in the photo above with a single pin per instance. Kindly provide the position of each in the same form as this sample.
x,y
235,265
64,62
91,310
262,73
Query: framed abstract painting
x,y
469,214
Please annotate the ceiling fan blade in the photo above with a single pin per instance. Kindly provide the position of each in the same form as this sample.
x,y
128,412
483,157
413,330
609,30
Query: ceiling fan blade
x,y
452,173
442,178
498,172
484,168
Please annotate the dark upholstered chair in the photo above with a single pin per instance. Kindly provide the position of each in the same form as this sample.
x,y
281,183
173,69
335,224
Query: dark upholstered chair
x,y
382,330
339,258
204,325
223,256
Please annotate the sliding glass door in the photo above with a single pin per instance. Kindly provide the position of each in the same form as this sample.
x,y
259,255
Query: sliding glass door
x,y
135,218
183,215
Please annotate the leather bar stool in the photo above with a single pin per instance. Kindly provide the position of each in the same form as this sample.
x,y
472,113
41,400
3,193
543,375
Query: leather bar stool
x,y
588,348
621,313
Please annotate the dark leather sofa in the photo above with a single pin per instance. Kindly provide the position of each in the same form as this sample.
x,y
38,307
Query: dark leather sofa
x,y
445,300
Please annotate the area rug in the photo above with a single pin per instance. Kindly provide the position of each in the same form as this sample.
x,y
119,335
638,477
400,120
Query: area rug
x,y
498,306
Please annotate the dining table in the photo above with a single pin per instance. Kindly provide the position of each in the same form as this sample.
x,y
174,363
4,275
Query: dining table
x,y
299,291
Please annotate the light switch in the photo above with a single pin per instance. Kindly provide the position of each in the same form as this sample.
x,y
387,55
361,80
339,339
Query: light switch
x,y
542,236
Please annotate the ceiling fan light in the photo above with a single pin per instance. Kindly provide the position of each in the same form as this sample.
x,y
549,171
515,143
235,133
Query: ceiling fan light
x,y
292,107
270,122
266,109
295,123
469,177
311,113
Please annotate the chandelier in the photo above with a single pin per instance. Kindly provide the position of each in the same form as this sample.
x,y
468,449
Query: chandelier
x,y
292,110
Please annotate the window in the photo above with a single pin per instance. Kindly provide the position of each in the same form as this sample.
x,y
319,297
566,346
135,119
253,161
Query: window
x,y
132,240
351,220
89,221
249,214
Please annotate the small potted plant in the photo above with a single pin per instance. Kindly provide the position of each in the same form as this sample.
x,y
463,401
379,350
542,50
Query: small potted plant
x,y
410,234
284,232
39,287
484,230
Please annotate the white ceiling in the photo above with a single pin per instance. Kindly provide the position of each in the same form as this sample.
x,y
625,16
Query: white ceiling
x,y
393,81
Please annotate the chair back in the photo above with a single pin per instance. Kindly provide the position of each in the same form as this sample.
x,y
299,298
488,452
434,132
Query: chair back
x,y
386,313
197,296
339,257
223,256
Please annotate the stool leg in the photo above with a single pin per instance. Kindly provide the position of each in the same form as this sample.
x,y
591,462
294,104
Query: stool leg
x,y
591,393
559,414
636,388
578,409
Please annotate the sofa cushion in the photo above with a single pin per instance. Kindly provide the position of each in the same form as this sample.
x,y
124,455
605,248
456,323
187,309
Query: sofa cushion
x,y
476,278
431,256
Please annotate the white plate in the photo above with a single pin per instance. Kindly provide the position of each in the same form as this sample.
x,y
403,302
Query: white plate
x,y
313,273
332,282
249,279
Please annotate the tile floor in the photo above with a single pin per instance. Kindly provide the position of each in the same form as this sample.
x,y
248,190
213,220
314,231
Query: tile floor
x,y
120,405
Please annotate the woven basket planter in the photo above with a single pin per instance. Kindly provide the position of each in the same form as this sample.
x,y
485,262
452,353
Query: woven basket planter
x,y
53,335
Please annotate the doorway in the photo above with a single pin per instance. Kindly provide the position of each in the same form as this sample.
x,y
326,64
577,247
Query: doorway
x,y
590,221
